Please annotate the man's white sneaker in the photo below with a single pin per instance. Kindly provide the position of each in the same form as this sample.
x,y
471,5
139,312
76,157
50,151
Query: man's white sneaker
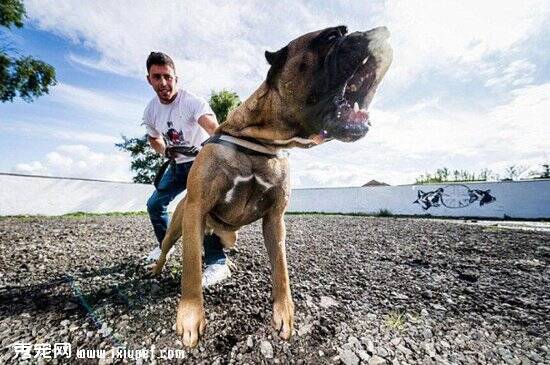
x,y
155,254
214,274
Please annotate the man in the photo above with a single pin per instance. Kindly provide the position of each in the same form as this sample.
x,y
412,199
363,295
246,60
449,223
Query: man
x,y
178,118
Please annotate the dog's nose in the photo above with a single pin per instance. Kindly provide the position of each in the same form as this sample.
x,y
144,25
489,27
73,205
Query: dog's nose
x,y
379,33
379,46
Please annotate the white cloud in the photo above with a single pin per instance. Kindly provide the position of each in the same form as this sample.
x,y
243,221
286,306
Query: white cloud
x,y
517,73
118,107
214,45
458,37
33,168
82,162
57,129
80,136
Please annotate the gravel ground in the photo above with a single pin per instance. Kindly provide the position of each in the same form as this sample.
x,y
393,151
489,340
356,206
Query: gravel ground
x,y
367,290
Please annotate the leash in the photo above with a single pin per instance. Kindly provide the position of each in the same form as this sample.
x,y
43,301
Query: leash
x,y
161,171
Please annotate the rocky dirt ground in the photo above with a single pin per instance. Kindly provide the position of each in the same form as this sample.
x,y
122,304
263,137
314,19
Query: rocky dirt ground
x,y
367,290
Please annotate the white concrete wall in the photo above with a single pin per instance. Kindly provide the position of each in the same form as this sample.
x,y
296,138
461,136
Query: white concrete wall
x,y
25,195
517,199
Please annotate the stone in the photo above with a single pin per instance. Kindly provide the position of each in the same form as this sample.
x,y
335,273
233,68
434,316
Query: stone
x,y
354,342
438,307
327,302
376,360
430,349
395,341
382,351
266,349
348,357
305,329
363,355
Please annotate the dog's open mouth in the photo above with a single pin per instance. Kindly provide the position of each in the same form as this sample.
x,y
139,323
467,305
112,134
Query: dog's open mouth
x,y
351,108
350,120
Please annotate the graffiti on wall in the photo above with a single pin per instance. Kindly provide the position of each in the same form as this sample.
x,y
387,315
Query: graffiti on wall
x,y
453,196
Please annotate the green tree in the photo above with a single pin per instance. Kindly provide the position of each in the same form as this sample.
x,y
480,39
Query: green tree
x,y
146,161
514,172
22,76
223,102
445,175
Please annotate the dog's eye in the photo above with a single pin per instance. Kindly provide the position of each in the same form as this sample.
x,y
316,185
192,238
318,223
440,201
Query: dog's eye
x,y
332,36
302,67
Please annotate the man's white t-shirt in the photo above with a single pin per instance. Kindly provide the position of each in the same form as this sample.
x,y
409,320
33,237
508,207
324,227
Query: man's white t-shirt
x,y
177,122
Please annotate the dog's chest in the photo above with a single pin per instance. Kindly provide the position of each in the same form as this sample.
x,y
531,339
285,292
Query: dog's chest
x,y
247,198
247,187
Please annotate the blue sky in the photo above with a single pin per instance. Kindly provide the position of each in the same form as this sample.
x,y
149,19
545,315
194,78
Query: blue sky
x,y
469,87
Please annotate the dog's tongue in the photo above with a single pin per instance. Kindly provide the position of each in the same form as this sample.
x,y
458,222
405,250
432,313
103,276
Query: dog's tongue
x,y
358,115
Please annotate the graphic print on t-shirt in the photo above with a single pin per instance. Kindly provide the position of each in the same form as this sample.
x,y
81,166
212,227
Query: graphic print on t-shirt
x,y
174,137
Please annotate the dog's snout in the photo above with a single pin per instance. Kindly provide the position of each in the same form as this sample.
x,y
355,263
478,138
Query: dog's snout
x,y
379,46
378,33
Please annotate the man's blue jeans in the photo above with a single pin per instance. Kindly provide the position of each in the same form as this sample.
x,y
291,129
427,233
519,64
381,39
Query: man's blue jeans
x,y
174,182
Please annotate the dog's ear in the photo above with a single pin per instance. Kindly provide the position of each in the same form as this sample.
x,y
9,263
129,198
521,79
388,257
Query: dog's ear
x,y
276,58
277,61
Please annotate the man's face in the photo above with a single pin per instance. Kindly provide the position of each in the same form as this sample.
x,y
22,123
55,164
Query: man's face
x,y
164,81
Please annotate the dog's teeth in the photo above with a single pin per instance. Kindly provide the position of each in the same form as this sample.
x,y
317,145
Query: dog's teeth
x,y
365,60
355,107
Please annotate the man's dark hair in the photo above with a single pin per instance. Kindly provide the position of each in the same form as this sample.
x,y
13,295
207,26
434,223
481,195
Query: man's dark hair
x,y
161,59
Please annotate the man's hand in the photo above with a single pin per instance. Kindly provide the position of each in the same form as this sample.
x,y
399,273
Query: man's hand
x,y
209,123
157,144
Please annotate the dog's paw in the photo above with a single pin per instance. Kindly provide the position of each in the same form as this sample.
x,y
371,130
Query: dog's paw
x,y
154,269
283,318
190,322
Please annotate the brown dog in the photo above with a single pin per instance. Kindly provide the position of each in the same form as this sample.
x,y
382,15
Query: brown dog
x,y
317,89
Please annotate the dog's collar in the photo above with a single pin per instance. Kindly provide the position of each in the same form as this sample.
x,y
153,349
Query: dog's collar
x,y
248,146
305,142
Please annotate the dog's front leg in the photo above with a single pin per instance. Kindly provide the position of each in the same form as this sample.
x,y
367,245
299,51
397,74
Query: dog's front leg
x,y
190,321
283,307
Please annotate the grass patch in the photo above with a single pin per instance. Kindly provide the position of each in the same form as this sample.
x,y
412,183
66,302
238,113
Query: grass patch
x,y
75,215
110,214
175,270
384,213
395,321
492,229
324,213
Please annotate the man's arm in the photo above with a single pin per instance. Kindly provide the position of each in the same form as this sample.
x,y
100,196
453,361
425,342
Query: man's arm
x,y
209,123
157,144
